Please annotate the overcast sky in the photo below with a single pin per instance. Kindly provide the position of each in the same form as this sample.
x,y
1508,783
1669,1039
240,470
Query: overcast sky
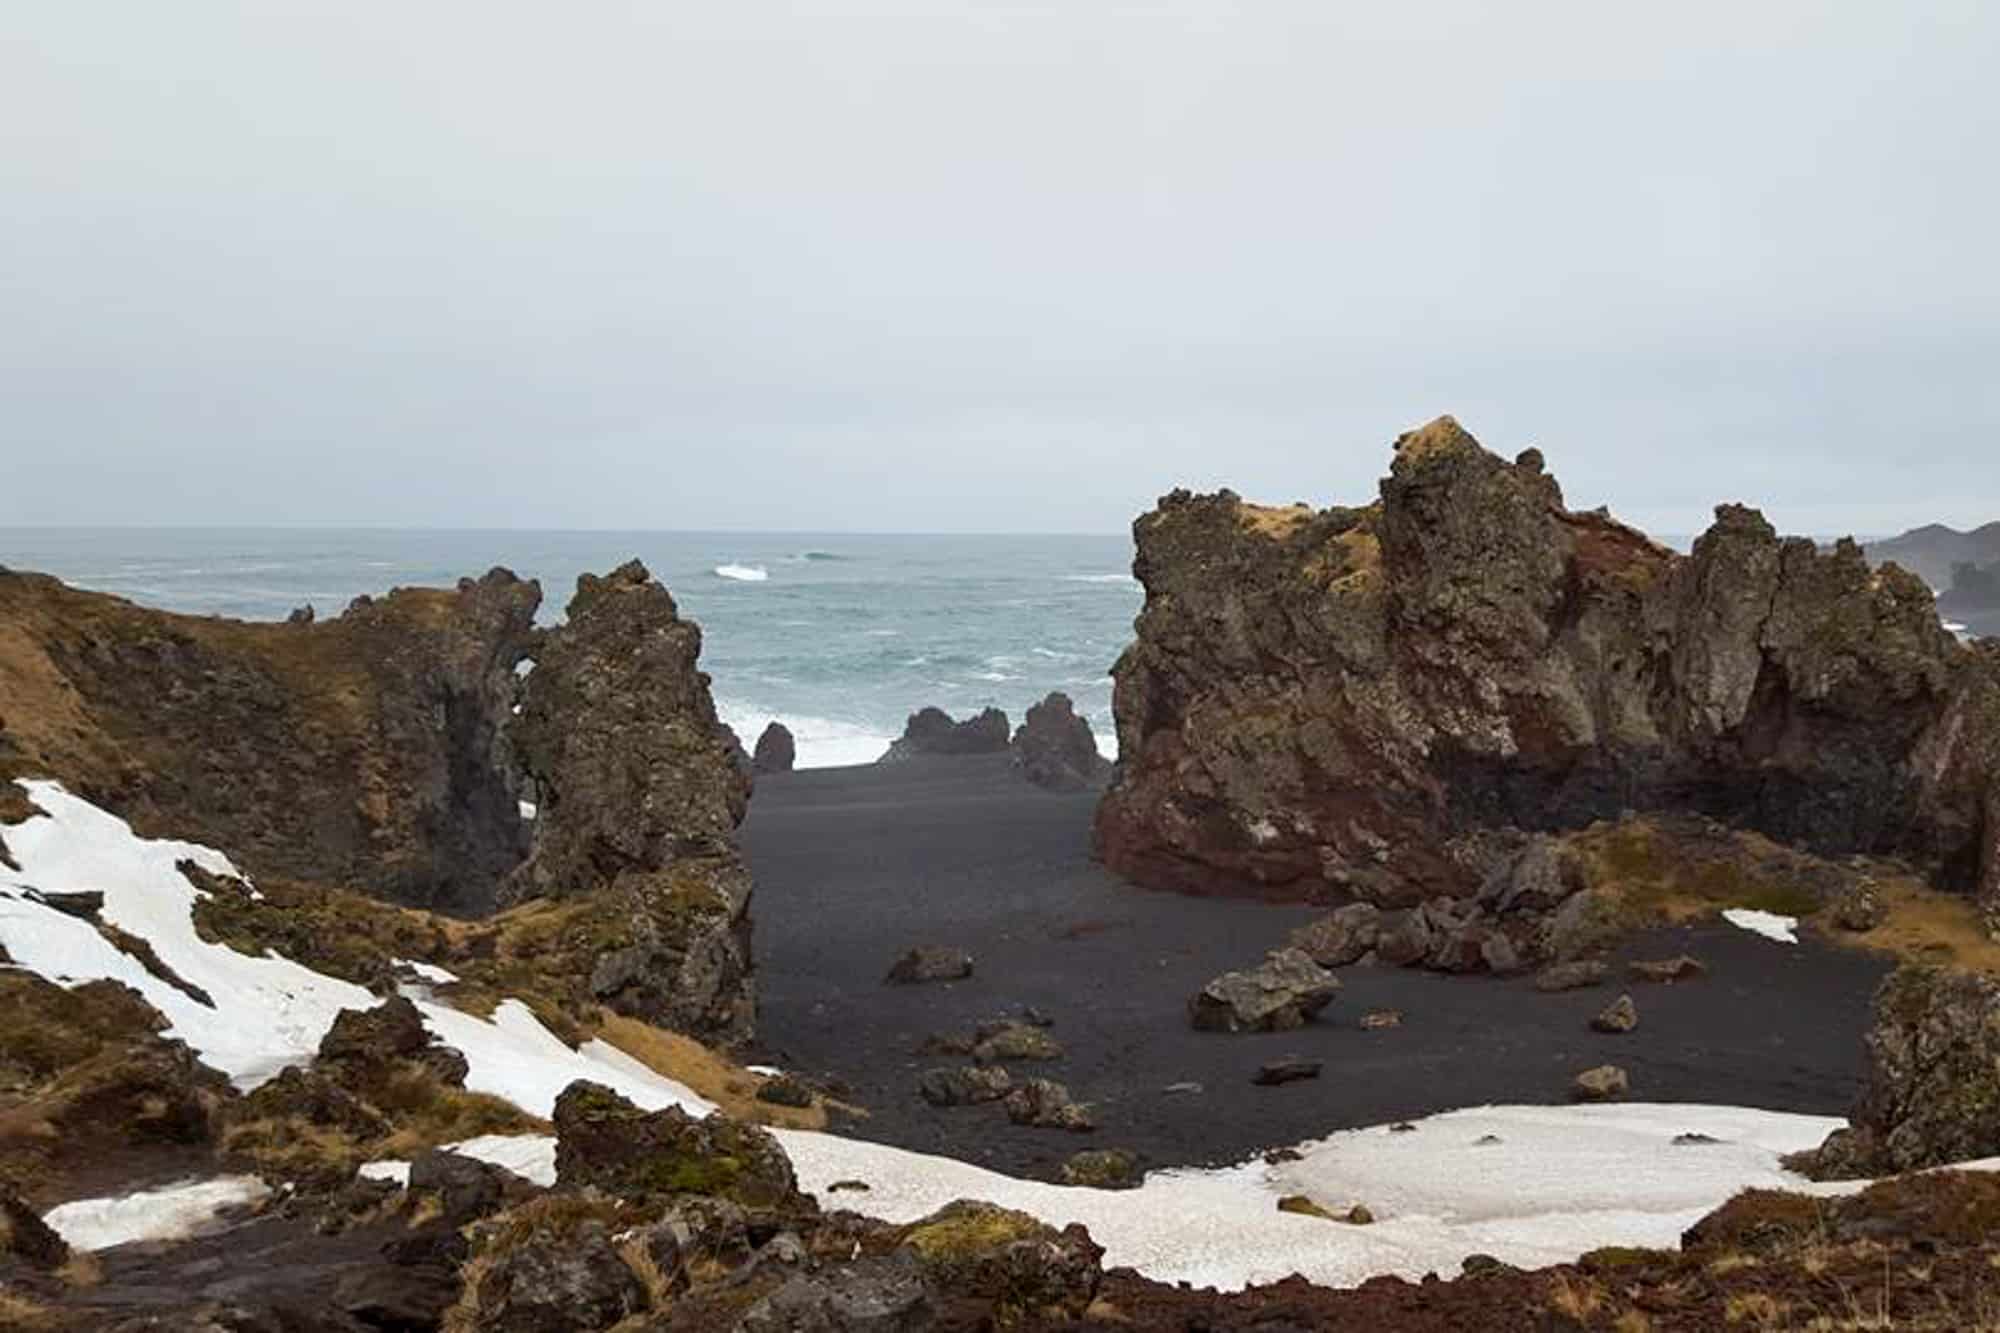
x,y
990,266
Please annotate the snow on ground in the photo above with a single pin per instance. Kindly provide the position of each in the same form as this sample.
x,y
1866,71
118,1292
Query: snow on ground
x,y
427,971
268,1012
1559,1180
168,1213
1783,929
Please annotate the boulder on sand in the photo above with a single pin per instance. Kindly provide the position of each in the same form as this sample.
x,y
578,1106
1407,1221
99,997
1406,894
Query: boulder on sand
x,y
1046,1104
1933,1092
776,752
1282,992
930,962
1600,1084
1340,937
1572,976
932,731
1621,1015
1054,747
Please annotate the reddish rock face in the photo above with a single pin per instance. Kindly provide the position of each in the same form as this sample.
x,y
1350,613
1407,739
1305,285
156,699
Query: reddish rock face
x,y
1334,703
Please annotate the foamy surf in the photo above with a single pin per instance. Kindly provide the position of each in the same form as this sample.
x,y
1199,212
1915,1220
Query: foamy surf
x,y
742,573
820,742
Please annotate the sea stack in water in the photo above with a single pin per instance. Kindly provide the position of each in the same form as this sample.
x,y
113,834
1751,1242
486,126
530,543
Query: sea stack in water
x,y
775,751
931,731
1054,747
1334,703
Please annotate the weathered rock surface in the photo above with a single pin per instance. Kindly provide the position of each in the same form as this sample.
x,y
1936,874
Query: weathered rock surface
x,y
1600,1084
776,752
1621,1015
930,962
1102,1168
1933,1092
931,731
964,1086
1282,992
638,803
1572,976
1054,747
602,1140
1341,937
1337,703
1046,1104
368,750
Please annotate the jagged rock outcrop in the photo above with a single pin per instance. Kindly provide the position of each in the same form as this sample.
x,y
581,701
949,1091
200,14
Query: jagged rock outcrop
x,y
1282,992
638,806
367,750
931,731
776,752
1054,747
1933,1093
1337,703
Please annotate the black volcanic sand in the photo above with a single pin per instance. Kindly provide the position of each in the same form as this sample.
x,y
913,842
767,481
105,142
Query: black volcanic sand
x,y
855,865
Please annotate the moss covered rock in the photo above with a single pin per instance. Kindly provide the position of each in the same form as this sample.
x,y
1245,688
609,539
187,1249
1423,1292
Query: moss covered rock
x,y
605,1141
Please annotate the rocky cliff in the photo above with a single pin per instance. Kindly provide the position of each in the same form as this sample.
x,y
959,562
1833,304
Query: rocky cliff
x,y
1342,702
638,798
368,750
397,753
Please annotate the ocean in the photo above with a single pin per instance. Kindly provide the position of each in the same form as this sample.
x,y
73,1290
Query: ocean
x,y
840,637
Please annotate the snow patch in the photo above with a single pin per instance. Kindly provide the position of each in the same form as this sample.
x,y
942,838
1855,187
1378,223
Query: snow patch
x,y
430,972
1783,929
171,1212
388,1169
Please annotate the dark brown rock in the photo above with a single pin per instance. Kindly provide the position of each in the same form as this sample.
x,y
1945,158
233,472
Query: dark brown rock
x,y
1282,992
367,750
776,752
1666,970
964,1086
26,1237
1327,704
1933,1092
638,805
1275,1073
930,963
1600,1084
1859,908
1621,1015
1572,976
603,1140
1054,748
1045,1104
1341,937
931,731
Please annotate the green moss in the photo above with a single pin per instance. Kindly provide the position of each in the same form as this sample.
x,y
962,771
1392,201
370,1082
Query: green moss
x,y
960,1232
1304,1207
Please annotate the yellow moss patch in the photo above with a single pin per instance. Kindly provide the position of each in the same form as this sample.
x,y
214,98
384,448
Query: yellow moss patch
x,y
1655,871
1273,520
1925,926
708,1074
970,1231
19,1311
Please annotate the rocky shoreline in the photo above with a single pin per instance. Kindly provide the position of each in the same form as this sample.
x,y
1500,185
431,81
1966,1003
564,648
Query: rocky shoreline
x,y
420,940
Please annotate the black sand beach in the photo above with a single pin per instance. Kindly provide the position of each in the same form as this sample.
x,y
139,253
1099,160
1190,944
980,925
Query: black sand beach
x,y
855,865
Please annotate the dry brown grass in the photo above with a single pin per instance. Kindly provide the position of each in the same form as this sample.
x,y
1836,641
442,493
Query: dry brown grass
x,y
1576,1297
18,1311
1925,926
1273,520
708,1074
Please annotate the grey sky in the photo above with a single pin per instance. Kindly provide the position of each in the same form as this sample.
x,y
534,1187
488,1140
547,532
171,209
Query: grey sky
x,y
988,266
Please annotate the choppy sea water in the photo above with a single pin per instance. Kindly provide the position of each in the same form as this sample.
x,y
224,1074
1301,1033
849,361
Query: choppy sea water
x,y
839,637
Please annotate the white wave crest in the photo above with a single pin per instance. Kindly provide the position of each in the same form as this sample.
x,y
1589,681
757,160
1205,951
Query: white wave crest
x,y
821,742
1108,580
742,573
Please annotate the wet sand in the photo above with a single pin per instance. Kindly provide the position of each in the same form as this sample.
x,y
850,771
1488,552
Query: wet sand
x,y
855,865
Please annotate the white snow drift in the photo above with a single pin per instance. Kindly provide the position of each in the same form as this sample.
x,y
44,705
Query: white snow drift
x,y
1530,1185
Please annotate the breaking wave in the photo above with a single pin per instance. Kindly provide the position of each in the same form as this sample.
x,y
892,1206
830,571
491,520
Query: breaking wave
x,y
742,573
